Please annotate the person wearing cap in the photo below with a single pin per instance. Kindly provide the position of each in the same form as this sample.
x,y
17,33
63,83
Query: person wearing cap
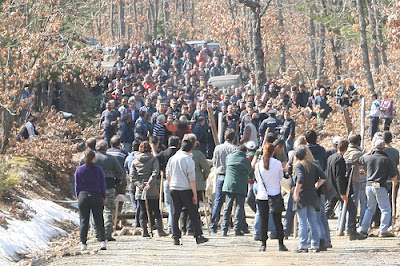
x,y
379,168
308,177
338,173
333,150
271,122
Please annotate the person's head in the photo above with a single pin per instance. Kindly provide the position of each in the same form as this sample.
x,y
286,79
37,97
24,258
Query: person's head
x,y
142,113
301,140
300,154
144,147
155,141
279,146
135,145
355,139
91,143
268,152
247,119
286,115
335,141
250,145
230,135
127,118
101,146
387,137
342,146
242,148
161,119
201,120
186,146
115,141
374,96
190,137
173,141
89,158
270,138
311,137
379,144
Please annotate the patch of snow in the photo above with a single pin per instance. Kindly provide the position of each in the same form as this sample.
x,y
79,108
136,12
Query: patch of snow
x,y
33,236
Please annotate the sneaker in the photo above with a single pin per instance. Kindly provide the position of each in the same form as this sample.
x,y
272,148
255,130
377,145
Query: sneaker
x,y
315,250
300,250
84,247
262,248
239,233
282,248
357,236
224,234
177,242
103,245
201,239
386,234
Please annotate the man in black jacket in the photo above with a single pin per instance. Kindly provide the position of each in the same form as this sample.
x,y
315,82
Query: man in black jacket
x,y
163,157
336,171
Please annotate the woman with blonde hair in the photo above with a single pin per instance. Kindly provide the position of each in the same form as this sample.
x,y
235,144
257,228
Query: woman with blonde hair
x,y
308,177
269,173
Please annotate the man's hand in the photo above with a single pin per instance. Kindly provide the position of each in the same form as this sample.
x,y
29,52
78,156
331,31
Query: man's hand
x,y
113,123
296,197
147,187
194,199
344,198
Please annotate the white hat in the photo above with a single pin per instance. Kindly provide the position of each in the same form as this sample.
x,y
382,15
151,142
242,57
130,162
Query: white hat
x,y
251,145
336,140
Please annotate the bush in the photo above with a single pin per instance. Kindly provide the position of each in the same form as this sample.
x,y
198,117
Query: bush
x,y
7,180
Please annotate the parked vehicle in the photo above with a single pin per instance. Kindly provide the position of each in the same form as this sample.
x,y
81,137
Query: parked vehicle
x,y
224,82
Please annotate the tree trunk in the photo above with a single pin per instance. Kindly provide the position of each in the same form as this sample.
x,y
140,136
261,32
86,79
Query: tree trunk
x,y
321,56
364,45
336,56
374,49
112,21
165,7
282,66
312,46
121,19
5,129
381,42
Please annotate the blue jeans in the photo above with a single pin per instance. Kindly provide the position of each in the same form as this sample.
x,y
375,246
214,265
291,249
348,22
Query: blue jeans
x,y
288,221
168,203
377,196
135,203
363,197
308,216
289,145
257,216
219,200
324,225
238,221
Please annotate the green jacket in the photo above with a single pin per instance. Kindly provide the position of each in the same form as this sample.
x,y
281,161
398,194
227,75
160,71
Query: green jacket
x,y
238,169
202,169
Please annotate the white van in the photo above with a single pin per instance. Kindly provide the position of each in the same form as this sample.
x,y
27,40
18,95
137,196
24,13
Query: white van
x,y
212,45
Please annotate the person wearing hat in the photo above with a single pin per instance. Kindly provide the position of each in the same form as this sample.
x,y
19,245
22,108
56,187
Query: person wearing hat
x,y
379,169
308,177
271,122
333,150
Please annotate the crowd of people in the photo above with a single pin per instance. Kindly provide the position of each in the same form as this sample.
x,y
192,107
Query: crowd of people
x,y
156,117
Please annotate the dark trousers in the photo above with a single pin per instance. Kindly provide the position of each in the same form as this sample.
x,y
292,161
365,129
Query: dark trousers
x,y
374,122
185,219
154,210
264,214
91,201
184,198
330,206
386,124
352,209
109,132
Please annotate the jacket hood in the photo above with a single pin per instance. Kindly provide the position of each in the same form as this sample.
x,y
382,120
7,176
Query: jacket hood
x,y
143,157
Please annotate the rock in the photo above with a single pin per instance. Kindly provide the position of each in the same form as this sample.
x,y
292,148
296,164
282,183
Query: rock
x,y
66,254
37,261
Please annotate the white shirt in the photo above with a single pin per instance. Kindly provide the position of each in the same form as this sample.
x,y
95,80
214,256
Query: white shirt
x,y
271,178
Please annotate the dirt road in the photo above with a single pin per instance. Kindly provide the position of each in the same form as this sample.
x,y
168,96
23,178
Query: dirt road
x,y
243,250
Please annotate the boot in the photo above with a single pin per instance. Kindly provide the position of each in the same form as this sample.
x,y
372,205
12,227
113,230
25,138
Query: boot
x,y
143,225
322,245
354,235
160,230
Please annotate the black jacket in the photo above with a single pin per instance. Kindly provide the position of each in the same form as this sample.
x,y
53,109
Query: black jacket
x,y
337,173
164,156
